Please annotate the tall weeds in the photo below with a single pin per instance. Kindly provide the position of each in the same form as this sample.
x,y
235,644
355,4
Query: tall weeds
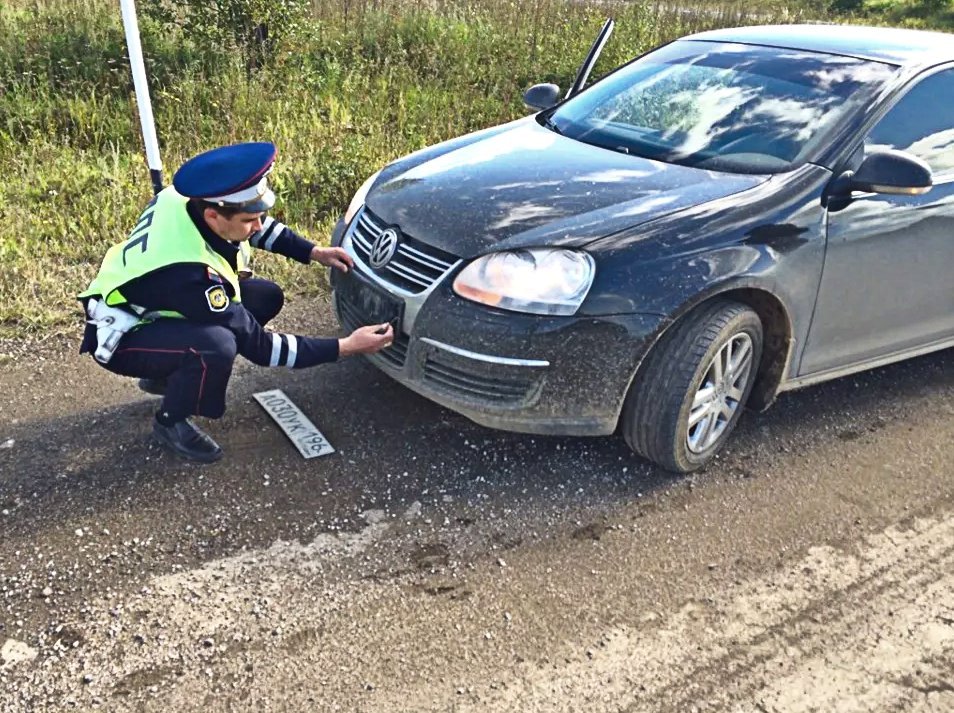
x,y
358,83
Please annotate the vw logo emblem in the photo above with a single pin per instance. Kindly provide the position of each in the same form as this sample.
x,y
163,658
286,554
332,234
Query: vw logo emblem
x,y
383,248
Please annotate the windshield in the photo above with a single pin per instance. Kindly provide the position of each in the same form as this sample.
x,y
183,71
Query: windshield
x,y
720,106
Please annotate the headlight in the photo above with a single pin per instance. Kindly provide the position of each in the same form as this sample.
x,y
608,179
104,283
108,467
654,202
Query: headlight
x,y
539,280
358,199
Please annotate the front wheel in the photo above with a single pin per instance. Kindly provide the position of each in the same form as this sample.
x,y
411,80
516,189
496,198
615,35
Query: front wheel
x,y
689,392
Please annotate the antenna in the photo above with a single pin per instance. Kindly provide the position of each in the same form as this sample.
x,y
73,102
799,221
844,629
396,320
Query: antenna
x,y
138,66
591,57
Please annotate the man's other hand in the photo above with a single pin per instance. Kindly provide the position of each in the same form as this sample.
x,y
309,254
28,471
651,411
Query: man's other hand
x,y
332,257
366,340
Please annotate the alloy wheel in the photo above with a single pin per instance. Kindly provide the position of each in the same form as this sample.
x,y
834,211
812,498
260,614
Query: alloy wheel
x,y
720,394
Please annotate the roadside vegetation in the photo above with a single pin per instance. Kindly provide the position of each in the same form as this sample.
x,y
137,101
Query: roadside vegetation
x,y
341,86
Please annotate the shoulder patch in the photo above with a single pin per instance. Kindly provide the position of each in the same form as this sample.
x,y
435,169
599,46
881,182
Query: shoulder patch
x,y
217,298
213,275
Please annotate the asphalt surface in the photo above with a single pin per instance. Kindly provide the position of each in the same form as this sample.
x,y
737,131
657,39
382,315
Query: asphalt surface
x,y
431,564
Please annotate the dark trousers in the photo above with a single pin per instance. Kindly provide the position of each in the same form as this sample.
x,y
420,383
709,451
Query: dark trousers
x,y
195,359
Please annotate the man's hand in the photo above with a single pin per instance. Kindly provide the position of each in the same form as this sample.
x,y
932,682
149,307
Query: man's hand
x,y
332,257
366,340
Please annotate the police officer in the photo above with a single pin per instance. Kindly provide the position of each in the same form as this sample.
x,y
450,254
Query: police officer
x,y
170,305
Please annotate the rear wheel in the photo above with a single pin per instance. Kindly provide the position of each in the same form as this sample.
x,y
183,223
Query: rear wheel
x,y
690,391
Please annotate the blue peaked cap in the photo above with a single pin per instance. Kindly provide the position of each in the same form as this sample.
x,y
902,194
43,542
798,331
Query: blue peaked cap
x,y
230,176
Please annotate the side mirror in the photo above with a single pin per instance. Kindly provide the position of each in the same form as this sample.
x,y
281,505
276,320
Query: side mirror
x,y
541,96
893,173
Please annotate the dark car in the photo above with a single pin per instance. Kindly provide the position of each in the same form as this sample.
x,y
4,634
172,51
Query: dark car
x,y
734,214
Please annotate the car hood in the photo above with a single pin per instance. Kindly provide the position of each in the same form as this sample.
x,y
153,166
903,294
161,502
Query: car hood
x,y
529,186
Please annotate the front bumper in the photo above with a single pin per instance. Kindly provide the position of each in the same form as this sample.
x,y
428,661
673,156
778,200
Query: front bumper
x,y
506,370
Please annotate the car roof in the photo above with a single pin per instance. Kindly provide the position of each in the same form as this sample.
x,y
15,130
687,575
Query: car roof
x,y
884,44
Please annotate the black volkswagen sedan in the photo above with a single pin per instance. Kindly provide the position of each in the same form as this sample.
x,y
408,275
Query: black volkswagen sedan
x,y
734,214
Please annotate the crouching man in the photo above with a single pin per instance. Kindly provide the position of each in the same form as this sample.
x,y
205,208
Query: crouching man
x,y
173,304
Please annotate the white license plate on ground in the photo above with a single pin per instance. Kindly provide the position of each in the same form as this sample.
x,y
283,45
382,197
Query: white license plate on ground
x,y
303,434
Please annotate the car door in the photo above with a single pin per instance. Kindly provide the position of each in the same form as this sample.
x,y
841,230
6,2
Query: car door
x,y
888,282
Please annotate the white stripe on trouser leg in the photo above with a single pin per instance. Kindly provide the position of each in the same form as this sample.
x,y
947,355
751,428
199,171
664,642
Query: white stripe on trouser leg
x,y
276,231
292,350
276,349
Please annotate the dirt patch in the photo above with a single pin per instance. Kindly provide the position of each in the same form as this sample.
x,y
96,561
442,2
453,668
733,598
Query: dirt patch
x,y
808,569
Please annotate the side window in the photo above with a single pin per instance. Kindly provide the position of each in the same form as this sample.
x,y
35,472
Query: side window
x,y
921,123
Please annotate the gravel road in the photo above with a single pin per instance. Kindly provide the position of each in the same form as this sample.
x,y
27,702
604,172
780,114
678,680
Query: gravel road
x,y
434,565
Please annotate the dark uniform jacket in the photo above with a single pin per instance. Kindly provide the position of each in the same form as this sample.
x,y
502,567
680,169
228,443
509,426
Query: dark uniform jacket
x,y
183,287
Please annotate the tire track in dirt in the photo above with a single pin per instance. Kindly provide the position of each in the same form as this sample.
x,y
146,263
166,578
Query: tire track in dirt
x,y
834,654
501,573
871,630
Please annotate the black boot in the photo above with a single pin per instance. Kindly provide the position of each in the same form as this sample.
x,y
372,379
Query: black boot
x,y
187,440
153,386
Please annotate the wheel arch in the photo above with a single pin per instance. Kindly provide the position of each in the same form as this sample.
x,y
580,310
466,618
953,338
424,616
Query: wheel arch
x,y
777,341
777,335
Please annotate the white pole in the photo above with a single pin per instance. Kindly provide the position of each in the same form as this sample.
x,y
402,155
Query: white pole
x,y
138,66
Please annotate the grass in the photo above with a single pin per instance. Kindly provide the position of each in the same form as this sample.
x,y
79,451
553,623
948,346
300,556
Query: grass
x,y
349,87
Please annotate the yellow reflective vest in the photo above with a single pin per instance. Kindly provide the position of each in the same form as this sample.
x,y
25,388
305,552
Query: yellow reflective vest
x,y
164,235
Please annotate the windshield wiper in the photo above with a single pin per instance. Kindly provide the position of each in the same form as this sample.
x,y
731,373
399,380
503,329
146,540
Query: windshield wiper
x,y
549,123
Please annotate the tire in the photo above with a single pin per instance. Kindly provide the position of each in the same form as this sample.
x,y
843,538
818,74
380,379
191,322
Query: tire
x,y
682,369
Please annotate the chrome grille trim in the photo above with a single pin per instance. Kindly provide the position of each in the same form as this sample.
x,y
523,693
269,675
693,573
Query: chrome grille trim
x,y
413,299
408,274
362,242
420,257
415,265
508,361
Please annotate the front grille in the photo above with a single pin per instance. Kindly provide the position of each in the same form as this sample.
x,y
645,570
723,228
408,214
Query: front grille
x,y
351,318
513,389
414,267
